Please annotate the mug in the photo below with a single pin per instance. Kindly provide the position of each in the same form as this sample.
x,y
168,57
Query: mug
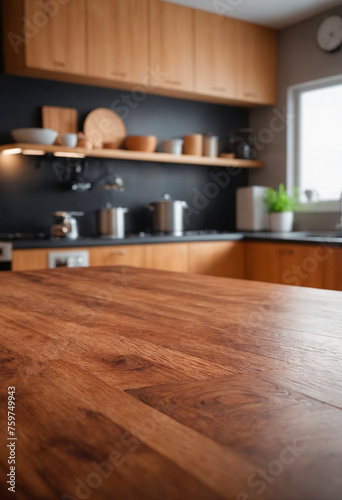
x,y
69,140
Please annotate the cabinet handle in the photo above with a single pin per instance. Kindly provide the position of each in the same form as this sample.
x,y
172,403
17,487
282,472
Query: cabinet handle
x,y
286,252
117,252
59,64
219,89
249,94
118,73
173,82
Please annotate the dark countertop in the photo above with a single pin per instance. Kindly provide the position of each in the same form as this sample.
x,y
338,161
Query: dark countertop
x,y
319,237
310,237
128,240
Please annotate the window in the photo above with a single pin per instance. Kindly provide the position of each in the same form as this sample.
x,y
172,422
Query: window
x,y
315,148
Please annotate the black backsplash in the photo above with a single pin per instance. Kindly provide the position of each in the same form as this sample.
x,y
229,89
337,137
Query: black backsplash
x,y
30,189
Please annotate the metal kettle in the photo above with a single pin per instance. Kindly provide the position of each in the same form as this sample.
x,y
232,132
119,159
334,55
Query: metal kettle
x,y
66,226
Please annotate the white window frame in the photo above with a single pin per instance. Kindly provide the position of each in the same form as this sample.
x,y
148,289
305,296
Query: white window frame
x,y
292,164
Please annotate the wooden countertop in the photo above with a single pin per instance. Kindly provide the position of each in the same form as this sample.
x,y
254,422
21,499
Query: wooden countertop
x,y
134,384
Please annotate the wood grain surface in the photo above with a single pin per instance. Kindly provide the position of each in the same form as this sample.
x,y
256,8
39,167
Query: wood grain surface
x,y
140,384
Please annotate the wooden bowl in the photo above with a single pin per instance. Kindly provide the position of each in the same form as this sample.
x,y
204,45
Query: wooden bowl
x,y
110,145
144,143
227,155
84,143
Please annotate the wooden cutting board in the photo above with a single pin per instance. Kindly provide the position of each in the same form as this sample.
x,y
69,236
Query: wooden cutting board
x,y
63,120
103,125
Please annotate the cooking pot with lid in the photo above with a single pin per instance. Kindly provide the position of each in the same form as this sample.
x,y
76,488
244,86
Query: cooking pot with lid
x,y
168,215
112,222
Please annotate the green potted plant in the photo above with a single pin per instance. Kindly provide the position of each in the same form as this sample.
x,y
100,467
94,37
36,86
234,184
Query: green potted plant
x,y
280,207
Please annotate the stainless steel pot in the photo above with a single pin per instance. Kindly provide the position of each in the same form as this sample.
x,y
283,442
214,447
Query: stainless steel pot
x,y
112,222
168,216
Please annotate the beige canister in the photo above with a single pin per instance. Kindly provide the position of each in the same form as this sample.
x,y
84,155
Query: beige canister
x,y
193,145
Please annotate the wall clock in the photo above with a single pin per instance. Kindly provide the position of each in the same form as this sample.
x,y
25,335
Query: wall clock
x,y
329,34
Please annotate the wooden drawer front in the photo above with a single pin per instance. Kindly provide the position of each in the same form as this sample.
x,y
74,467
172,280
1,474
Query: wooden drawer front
x,y
128,255
29,260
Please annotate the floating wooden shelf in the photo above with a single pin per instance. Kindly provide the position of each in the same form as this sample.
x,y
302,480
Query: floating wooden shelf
x,y
121,154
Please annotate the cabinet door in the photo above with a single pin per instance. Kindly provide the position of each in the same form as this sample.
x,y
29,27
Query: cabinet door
x,y
219,258
262,262
171,46
333,268
257,58
118,40
216,70
167,257
128,255
58,35
299,265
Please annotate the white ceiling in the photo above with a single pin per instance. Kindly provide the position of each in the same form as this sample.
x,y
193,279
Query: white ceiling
x,y
273,13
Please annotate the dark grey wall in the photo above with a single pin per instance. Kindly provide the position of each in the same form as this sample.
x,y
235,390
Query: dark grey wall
x,y
29,195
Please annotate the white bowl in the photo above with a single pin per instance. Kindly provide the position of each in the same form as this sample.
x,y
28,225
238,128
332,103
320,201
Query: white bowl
x,y
35,135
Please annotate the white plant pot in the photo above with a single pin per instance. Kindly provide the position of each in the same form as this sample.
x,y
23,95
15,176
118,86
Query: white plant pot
x,y
281,222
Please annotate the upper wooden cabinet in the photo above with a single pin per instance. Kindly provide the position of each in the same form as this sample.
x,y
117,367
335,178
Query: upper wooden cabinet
x,y
164,47
44,35
118,40
216,64
257,63
171,46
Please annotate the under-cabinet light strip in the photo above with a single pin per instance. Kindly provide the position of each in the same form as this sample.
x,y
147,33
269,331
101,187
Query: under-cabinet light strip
x,y
33,152
69,155
12,151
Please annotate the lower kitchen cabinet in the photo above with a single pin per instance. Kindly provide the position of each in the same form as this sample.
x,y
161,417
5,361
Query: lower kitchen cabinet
x,y
333,270
219,258
167,257
291,264
313,265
